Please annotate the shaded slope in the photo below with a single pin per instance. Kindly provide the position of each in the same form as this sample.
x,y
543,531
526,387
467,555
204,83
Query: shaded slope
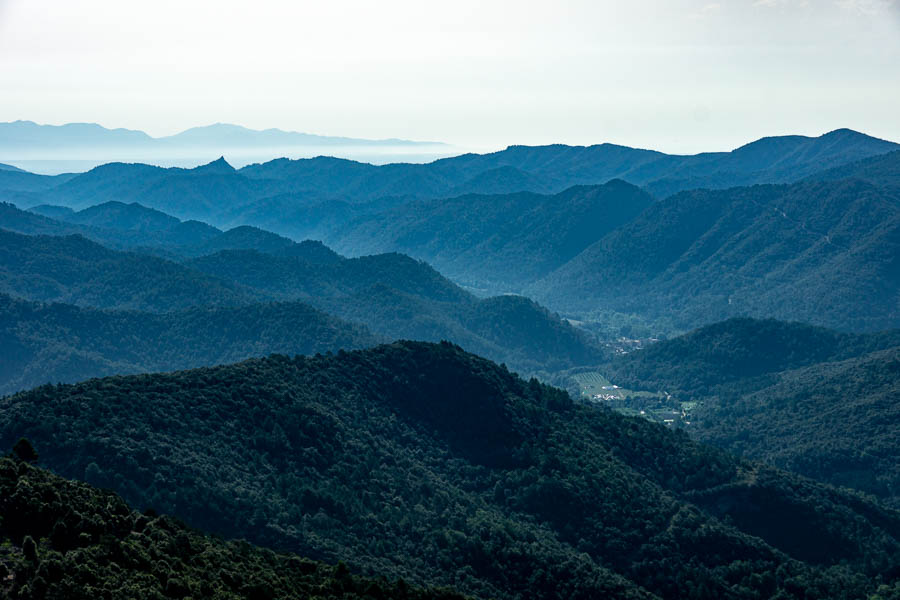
x,y
425,462
824,253
75,270
835,421
62,343
812,400
738,350
63,539
882,170
399,297
392,294
500,240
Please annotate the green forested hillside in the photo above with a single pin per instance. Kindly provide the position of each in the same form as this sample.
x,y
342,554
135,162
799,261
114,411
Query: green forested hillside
x,y
392,294
424,462
811,400
61,539
63,343
882,170
498,240
133,226
749,352
399,297
834,421
75,270
825,253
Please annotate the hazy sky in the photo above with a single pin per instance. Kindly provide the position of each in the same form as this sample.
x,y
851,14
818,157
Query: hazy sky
x,y
676,75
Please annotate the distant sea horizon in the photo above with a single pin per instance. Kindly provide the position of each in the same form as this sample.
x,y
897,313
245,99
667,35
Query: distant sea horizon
x,y
64,162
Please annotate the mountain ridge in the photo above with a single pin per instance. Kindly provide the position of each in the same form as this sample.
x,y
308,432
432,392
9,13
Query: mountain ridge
x,y
409,455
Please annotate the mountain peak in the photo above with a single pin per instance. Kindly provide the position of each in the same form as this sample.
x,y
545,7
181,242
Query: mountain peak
x,y
218,166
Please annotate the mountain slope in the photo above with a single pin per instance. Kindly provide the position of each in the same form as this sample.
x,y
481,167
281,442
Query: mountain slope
x,y
223,197
398,297
503,240
824,253
87,543
834,421
881,170
392,294
62,343
422,461
75,270
745,351
812,400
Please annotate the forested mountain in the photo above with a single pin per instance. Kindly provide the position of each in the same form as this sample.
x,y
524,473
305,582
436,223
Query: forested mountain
x,y
836,422
394,295
399,297
743,350
219,195
37,223
78,271
63,343
64,539
821,252
509,239
883,170
422,461
134,226
812,400
557,167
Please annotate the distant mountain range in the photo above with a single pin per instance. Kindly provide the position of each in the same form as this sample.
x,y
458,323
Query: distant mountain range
x,y
393,295
52,148
27,136
585,230
820,252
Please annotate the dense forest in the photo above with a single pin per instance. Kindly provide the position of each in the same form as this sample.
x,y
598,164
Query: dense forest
x,y
498,240
424,462
740,353
62,539
63,343
819,252
391,294
812,400
75,270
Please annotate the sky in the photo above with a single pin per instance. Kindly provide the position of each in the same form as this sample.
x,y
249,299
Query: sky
x,y
680,76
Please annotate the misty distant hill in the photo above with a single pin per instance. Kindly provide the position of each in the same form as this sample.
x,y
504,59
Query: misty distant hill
x,y
64,343
30,137
820,252
498,240
320,196
882,170
55,147
392,294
